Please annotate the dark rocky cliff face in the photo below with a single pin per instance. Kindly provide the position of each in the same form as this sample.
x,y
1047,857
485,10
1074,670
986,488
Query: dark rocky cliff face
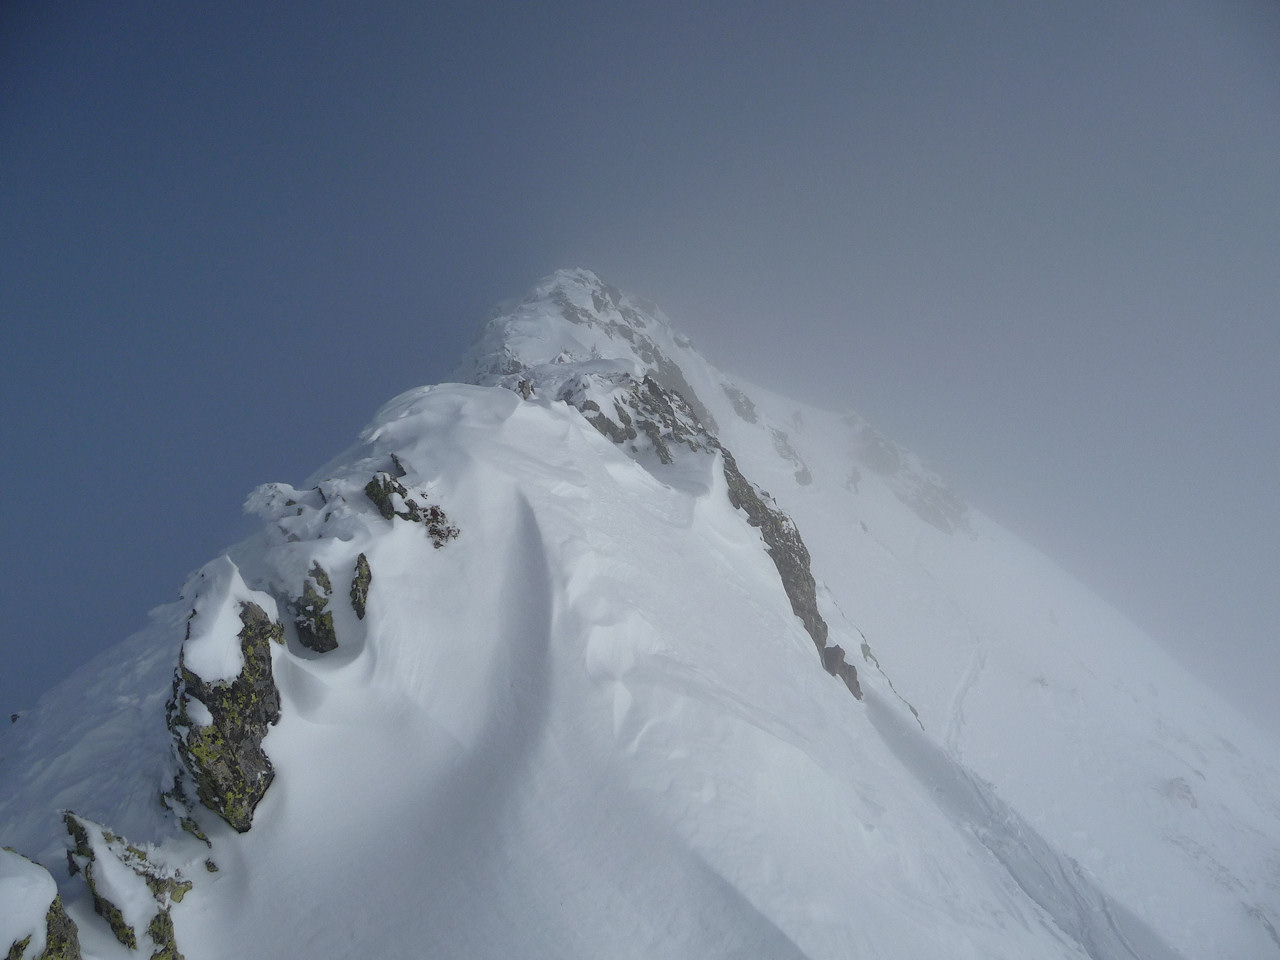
x,y
647,416
225,758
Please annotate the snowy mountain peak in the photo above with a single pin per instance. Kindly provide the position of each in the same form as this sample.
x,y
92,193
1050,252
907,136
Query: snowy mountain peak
x,y
561,664
574,317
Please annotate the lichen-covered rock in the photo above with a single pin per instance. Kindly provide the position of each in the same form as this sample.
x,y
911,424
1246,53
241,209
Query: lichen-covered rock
x,y
33,923
131,889
381,490
392,499
160,929
218,727
360,582
62,939
313,620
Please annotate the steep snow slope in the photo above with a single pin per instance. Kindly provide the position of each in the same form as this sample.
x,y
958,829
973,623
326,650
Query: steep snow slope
x,y
551,683
1108,747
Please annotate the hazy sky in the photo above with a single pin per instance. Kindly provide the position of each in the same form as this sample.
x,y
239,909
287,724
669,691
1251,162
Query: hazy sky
x,y
1037,242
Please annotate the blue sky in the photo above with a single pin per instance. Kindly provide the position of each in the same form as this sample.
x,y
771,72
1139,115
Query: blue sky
x,y
1037,242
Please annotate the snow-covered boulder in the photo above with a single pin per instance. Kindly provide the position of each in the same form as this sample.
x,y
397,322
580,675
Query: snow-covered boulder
x,y
33,923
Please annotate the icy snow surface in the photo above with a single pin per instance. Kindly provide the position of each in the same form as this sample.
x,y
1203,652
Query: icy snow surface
x,y
591,726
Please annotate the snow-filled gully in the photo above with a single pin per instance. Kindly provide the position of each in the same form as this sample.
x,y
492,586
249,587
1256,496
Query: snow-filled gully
x,y
1055,882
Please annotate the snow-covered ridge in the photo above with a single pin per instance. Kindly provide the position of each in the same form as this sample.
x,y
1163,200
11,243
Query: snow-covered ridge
x,y
530,670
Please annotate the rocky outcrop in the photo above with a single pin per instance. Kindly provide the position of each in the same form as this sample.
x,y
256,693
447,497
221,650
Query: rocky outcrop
x,y
31,912
648,417
834,663
743,405
310,616
392,499
218,725
360,582
134,901
785,546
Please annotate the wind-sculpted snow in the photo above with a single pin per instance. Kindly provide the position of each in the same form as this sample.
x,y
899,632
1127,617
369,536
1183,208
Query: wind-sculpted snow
x,y
547,688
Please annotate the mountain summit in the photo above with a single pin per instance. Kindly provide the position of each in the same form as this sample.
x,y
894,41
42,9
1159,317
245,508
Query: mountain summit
x,y
605,653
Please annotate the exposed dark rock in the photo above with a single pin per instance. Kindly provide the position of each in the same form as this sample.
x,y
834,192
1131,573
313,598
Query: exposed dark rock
x,y
160,930
785,546
310,616
672,378
834,663
225,758
742,404
81,859
389,495
380,490
438,526
92,843
670,422
360,586
62,938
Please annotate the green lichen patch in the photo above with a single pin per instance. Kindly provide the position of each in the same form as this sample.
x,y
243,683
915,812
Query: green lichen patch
x,y
193,828
315,622
109,912
224,758
381,489
160,929
360,582
62,938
